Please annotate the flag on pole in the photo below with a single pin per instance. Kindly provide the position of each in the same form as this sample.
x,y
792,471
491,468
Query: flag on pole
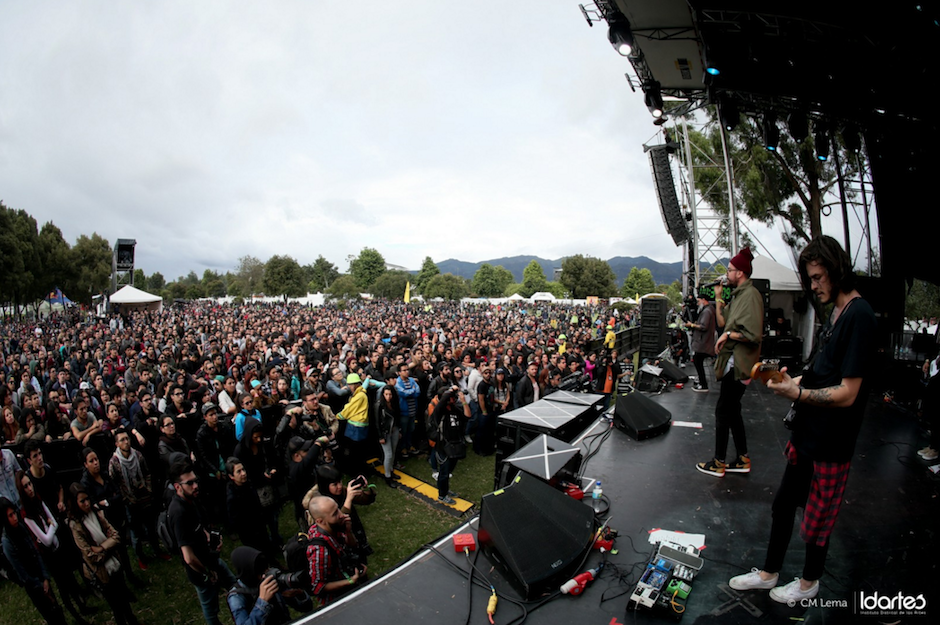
x,y
407,292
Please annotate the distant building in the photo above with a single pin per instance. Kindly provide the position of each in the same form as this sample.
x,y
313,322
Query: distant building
x,y
556,274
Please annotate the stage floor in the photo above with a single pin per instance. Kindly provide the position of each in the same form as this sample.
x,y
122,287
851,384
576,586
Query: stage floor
x,y
884,541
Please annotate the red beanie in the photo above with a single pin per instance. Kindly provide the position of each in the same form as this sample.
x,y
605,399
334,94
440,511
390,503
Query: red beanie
x,y
743,261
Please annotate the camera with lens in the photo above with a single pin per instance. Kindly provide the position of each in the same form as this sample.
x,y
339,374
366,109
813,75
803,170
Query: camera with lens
x,y
286,581
359,481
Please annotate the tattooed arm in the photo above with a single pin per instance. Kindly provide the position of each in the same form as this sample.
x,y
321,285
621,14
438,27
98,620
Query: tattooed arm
x,y
841,395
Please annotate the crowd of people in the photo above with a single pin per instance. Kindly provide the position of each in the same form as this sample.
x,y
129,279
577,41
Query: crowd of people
x,y
178,423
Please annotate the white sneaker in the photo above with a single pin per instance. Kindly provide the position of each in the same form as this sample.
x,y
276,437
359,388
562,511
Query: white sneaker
x,y
468,439
753,581
434,475
930,454
791,593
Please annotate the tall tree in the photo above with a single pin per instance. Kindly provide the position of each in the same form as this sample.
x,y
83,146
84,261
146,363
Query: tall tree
x,y
533,279
321,275
638,282
344,287
446,286
156,282
283,277
91,256
54,252
250,275
140,279
366,268
391,285
584,275
490,281
428,270
790,182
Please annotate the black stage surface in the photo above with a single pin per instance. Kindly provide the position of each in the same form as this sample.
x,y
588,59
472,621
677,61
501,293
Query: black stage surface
x,y
884,540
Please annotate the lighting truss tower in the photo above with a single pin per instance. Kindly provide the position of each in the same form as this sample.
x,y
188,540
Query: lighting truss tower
x,y
708,245
122,264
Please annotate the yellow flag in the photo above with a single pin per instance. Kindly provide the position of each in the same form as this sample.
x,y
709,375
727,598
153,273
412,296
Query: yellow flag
x,y
407,292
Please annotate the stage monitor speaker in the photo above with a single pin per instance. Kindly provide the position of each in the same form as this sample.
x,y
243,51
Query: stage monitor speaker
x,y
536,533
672,373
675,222
640,417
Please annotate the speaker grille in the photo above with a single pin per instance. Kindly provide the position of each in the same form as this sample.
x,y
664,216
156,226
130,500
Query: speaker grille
x,y
537,531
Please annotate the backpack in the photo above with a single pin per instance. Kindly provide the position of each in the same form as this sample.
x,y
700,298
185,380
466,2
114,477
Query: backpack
x,y
433,424
164,533
295,552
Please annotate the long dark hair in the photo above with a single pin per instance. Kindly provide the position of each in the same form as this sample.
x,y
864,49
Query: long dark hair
x,y
32,506
827,252
327,475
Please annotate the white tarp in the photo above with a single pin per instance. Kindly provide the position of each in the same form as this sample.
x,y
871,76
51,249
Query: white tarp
x,y
131,295
781,278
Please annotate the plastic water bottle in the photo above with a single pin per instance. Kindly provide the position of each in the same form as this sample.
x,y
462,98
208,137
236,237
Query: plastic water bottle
x,y
598,491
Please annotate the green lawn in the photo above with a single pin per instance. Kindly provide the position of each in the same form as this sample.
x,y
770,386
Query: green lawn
x,y
169,598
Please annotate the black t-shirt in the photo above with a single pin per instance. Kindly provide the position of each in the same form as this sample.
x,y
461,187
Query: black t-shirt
x,y
846,350
185,522
47,487
484,390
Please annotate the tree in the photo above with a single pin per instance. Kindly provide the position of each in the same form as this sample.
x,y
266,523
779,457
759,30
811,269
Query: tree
x,y
283,276
320,275
54,253
391,285
584,275
250,275
673,292
140,279
156,282
446,286
91,256
533,279
428,270
366,268
790,182
490,281
344,287
638,282
923,301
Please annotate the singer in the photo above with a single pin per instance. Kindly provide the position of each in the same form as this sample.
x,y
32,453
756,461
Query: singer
x,y
738,348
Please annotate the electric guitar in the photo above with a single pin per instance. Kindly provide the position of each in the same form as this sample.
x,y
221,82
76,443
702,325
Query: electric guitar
x,y
766,370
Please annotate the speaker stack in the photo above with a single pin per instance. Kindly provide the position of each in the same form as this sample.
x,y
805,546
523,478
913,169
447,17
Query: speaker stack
x,y
640,417
535,533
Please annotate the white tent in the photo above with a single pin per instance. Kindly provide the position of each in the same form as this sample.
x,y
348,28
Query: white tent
x,y
542,296
781,278
515,296
786,294
130,298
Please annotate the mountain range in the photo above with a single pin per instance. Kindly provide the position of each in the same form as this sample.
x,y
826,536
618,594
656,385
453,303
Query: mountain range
x,y
663,273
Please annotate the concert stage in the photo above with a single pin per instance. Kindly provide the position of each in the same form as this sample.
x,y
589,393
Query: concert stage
x,y
884,541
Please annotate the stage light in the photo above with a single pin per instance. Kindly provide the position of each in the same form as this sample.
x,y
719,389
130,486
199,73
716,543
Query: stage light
x,y
714,71
620,37
654,99
728,114
771,132
821,142
799,127
851,139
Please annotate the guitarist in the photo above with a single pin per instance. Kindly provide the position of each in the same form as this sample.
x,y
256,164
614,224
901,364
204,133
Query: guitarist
x,y
738,348
830,400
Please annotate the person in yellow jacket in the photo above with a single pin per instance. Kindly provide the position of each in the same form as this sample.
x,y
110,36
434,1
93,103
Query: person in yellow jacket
x,y
610,339
356,415
562,343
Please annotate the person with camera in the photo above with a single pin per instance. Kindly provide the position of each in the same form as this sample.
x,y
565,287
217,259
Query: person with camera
x,y
826,415
196,542
332,574
449,416
261,595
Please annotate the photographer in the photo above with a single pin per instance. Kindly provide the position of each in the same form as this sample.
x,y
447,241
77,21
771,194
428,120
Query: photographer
x,y
450,419
326,552
198,545
258,598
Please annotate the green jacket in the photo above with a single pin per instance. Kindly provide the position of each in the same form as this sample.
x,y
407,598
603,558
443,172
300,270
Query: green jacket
x,y
744,314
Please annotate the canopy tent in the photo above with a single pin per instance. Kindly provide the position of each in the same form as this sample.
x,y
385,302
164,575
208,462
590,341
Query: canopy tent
x,y
130,298
787,295
542,296
58,297
781,278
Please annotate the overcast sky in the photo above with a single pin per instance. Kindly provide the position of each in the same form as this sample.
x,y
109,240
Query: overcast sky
x,y
211,130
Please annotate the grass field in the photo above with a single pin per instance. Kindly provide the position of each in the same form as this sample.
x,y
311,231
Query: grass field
x,y
397,524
